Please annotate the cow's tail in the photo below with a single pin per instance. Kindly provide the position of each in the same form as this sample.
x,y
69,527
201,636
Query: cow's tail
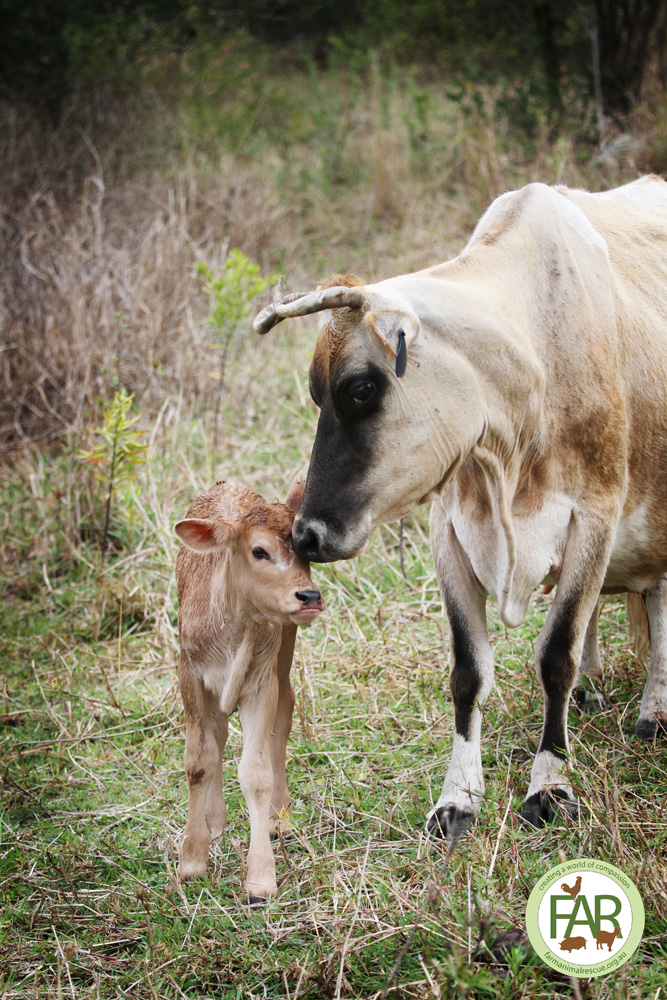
x,y
638,625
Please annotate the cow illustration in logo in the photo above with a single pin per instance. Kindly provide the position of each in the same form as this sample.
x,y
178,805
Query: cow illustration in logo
x,y
573,944
575,890
603,938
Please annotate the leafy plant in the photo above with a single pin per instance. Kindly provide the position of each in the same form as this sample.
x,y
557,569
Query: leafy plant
x,y
119,454
231,293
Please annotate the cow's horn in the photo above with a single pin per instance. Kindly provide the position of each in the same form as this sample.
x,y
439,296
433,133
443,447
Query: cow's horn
x,y
304,303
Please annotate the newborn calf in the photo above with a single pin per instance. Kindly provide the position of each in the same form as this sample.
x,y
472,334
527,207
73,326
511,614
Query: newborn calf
x,y
242,591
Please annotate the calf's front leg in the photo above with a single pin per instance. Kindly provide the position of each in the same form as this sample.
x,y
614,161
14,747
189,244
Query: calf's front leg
x,y
205,736
257,714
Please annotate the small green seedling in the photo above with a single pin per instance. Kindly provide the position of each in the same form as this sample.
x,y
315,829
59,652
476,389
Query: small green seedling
x,y
119,454
231,293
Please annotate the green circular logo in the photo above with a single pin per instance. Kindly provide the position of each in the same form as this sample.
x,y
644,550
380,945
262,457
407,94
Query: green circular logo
x,y
585,918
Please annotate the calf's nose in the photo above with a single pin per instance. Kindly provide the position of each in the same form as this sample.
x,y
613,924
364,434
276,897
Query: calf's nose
x,y
309,598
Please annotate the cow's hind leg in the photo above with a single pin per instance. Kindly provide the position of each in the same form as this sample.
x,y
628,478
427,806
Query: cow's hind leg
x,y
590,667
471,680
653,710
557,657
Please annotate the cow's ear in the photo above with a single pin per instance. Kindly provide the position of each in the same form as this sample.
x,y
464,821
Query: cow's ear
x,y
396,329
296,491
204,535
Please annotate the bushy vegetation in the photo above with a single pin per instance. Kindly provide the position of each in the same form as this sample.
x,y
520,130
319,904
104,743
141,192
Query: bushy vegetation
x,y
109,219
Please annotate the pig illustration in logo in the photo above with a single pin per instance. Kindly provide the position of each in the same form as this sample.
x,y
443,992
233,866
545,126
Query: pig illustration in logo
x,y
573,944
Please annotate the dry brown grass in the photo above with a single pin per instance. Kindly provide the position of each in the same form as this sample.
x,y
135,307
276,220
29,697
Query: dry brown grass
x,y
377,174
92,792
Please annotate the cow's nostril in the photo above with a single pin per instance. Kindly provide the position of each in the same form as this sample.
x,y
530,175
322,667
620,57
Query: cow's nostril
x,y
309,597
306,541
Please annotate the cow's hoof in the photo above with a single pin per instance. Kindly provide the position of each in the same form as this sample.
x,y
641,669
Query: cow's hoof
x,y
280,835
257,900
588,702
449,823
649,729
547,806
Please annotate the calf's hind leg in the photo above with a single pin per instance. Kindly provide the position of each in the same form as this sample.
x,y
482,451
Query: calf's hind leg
x,y
280,797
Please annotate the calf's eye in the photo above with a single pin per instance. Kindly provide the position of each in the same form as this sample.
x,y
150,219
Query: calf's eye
x,y
260,553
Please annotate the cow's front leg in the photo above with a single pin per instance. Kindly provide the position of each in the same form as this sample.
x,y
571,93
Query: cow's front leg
x,y
471,680
557,657
280,797
653,710
257,713
204,744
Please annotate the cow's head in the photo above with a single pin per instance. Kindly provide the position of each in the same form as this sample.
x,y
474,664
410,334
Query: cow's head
x,y
380,448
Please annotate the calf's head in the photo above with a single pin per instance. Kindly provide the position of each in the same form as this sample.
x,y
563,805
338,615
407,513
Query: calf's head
x,y
255,538
393,426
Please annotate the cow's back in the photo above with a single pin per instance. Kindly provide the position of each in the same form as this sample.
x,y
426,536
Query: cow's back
x,y
632,220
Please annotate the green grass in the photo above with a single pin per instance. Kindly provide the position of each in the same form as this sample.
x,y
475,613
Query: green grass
x,y
377,169
93,795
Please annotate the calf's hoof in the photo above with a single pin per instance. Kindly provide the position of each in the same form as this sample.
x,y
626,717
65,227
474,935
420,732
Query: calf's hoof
x,y
649,729
589,702
449,823
191,869
546,806
258,893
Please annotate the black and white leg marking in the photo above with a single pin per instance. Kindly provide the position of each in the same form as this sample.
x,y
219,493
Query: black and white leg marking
x,y
557,669
558,654
471,680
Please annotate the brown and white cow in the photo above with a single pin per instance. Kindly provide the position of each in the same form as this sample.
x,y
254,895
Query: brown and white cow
x,y
242,591
522,389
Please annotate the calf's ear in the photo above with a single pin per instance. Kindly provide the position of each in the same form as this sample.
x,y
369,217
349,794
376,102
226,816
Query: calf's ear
x,y
296,491
203,535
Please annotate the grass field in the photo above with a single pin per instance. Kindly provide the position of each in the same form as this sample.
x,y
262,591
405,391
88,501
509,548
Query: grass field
x,y
92,789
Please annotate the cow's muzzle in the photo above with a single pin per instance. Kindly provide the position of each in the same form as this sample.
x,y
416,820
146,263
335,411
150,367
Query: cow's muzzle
x,y
316,541
309,539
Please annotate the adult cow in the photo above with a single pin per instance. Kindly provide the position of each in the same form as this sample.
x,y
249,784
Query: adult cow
x,y
533,414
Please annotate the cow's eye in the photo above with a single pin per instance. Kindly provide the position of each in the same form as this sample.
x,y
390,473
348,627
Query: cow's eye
x,y
362,391
260,553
